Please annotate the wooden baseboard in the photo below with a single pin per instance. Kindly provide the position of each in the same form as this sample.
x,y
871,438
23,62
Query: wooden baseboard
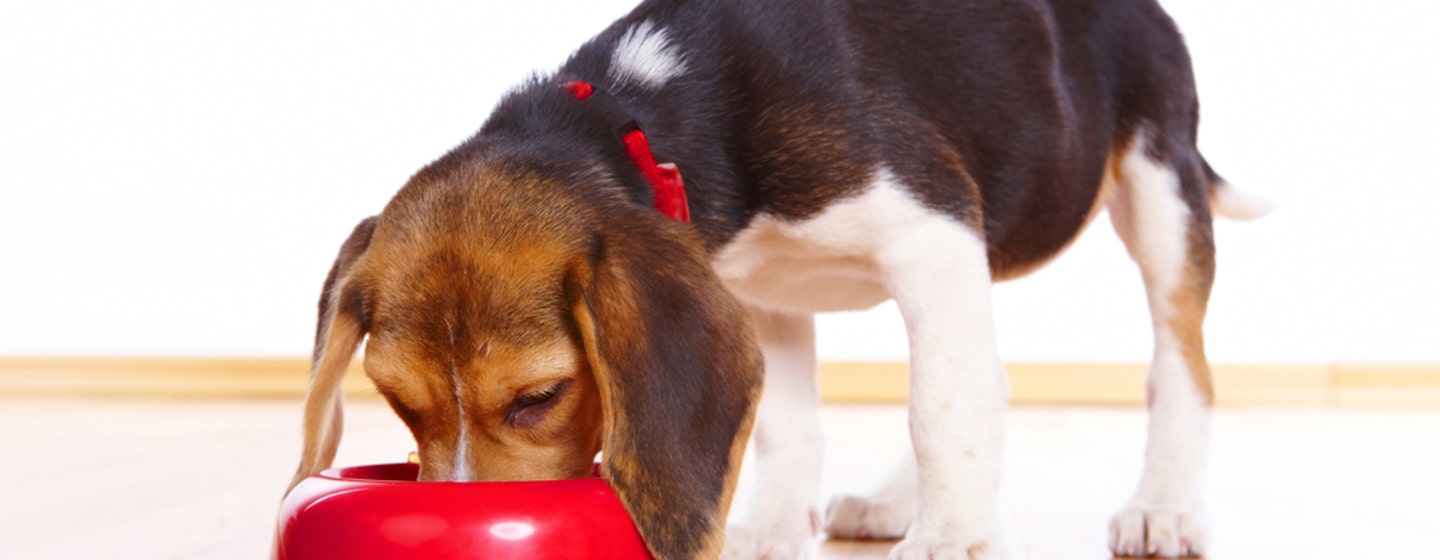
x,y
1095,383
1105,384
1117,384
1386,385
165,378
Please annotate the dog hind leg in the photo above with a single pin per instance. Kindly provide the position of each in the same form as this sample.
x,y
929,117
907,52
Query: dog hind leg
x,y
1160,211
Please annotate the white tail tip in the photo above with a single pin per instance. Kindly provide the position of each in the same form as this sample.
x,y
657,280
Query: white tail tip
x,y
1229,202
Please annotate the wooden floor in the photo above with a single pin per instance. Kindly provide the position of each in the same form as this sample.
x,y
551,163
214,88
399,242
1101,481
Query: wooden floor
x,y
171,480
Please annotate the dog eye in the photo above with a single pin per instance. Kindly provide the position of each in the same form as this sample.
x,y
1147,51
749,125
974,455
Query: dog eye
x,y
529,408
545,395
409,415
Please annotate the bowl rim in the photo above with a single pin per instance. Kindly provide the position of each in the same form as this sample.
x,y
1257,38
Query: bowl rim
x,y
375,474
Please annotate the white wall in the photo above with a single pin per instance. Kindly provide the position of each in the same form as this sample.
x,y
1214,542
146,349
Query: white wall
x,y
175,179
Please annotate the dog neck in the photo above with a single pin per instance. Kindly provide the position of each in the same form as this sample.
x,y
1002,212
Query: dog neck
x,y
664,179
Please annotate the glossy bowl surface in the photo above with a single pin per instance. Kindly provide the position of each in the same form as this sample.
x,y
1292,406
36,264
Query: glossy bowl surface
x,y
380,511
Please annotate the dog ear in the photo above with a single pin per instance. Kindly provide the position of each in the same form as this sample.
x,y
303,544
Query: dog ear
x,y
679,375
341,325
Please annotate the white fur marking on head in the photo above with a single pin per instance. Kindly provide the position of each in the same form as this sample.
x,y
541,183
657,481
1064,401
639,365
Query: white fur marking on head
x,y
645,57
462,451
460,467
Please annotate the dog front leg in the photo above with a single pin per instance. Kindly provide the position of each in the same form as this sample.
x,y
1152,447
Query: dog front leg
x,y
939,276
781,519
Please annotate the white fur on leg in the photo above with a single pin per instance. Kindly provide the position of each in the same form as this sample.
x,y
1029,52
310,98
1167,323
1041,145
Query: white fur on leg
x,y
939,274
854,255
781,519
1165,516
882,514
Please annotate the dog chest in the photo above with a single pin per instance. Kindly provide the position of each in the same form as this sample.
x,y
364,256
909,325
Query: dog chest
x,y
798,267
828,262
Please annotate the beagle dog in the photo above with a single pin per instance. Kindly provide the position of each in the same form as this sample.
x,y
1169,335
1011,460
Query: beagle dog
x,y
631,247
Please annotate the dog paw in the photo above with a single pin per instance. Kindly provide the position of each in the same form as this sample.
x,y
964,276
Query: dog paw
x,y
1154,531
771,541
855,517
913,548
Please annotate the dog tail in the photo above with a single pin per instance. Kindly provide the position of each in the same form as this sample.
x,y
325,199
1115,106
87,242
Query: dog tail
x,y
1229,202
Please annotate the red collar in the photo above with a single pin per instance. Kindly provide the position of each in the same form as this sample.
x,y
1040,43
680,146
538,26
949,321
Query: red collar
x,y
664,178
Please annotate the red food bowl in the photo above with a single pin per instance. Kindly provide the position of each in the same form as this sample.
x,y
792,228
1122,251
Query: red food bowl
x,y
380,511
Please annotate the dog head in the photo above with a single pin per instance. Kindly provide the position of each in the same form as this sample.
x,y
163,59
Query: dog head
x,y
518,328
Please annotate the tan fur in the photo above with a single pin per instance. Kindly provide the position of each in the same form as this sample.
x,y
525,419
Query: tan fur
x,y
1190,300
473,303
323,416
617,288
338,334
